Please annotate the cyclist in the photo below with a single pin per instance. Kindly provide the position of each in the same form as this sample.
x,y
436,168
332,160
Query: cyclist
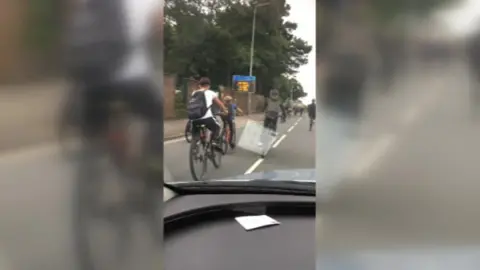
x,y
229,118
312,110
200,111
272,110
107,58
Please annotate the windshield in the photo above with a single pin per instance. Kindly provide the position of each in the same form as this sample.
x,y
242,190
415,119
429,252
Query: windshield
x,y
266,131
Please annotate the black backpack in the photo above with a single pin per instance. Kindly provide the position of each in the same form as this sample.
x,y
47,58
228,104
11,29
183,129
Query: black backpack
x,y
197,106
96,41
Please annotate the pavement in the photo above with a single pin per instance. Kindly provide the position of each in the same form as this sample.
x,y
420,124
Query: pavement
x,y
416,181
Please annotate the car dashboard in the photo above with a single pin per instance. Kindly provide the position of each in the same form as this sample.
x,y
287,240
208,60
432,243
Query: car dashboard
x,y
201,232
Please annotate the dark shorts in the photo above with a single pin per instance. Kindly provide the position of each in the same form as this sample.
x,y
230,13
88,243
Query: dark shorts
x,y
210,123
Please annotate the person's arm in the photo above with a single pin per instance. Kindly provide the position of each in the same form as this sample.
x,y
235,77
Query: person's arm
x,y
220,104
240,111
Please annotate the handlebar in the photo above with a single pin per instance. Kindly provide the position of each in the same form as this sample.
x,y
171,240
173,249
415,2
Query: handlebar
x,y
220,114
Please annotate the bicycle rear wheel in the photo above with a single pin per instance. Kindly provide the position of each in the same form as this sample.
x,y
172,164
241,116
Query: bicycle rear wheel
x,y
214,155
188,131
196,149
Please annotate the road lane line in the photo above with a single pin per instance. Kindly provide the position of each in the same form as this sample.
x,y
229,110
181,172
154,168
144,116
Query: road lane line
x,y
254,166
290,129
372,157
279,140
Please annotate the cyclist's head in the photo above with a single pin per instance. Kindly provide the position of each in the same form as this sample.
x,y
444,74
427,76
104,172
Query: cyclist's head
x,y
227,99
313,101
274,94
204,83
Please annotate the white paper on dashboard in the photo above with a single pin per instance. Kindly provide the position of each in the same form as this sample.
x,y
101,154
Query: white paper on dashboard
x,y
255,222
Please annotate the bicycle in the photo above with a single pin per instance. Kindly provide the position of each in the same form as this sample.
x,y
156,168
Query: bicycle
x,y
225,134
200,144
127,195
188,131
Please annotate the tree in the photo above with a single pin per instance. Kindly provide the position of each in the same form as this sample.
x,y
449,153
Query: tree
x,y
212,38
289,87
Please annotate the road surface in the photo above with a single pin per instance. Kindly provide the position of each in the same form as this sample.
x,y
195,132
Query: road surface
x,y
293,149
418,178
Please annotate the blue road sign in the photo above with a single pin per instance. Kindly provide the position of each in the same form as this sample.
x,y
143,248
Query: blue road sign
x,y
242,78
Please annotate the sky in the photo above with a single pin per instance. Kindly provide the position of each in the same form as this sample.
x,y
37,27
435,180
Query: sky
x,y
303,13
462,19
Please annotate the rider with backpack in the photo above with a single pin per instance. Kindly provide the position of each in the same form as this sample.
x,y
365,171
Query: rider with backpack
x,y
199,110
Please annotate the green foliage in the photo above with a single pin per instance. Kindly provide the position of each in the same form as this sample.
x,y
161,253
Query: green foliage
x,y
212,38
43,25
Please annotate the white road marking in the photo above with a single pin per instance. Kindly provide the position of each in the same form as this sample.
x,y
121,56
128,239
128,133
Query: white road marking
x,y
279,140
372,157
290,129
254,166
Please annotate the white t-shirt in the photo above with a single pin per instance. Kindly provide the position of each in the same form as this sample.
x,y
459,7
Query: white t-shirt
x,y
140,22
209,96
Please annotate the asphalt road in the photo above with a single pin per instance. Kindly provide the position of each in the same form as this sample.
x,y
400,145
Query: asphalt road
x,y
416,182
293,149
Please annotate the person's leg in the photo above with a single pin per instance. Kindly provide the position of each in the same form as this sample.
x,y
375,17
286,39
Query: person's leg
x,y
232,130
266,121
93,120
214,127
275,124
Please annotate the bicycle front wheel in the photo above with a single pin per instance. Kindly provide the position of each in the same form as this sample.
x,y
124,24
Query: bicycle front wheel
x,y
224,143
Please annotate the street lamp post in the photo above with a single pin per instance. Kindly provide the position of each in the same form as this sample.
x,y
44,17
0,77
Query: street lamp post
x,y
252,45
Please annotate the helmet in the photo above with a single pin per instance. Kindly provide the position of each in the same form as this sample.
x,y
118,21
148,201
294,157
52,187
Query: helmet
x,y
227,98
